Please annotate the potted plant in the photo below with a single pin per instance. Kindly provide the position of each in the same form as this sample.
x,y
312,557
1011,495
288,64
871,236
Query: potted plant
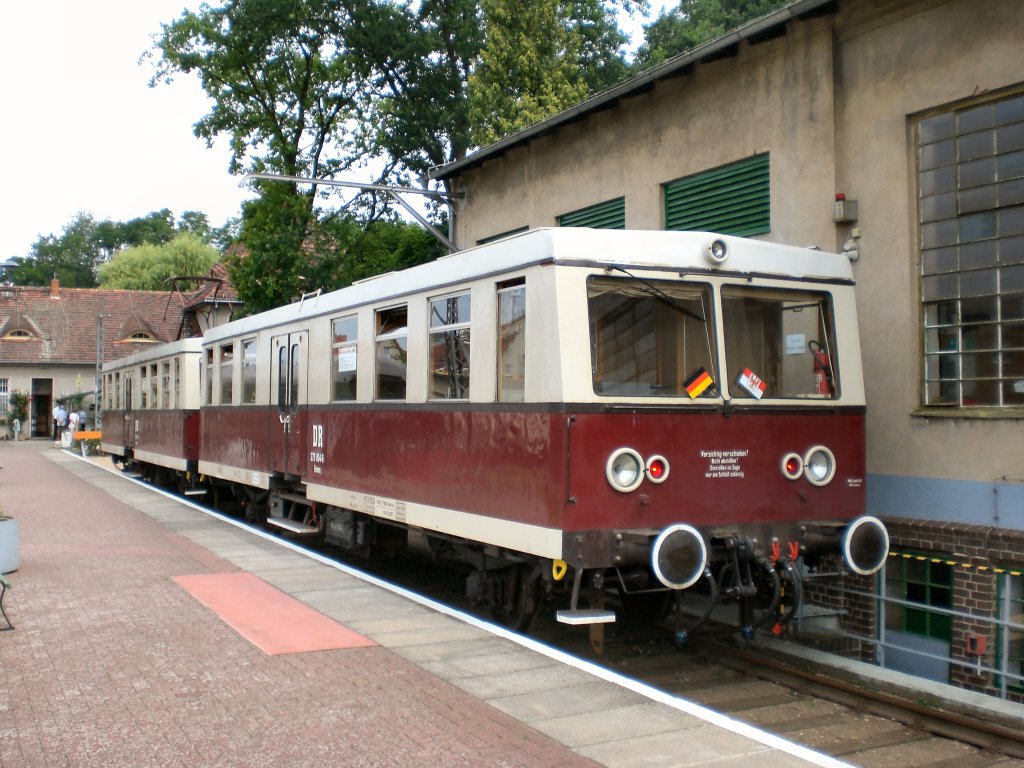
x,y
16,420
10,554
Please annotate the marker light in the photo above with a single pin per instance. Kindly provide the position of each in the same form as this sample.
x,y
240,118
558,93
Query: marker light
x,y
792,466
717,252
657,469
625,470
819,465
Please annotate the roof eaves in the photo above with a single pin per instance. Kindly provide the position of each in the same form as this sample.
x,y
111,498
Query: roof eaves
x,y
633,86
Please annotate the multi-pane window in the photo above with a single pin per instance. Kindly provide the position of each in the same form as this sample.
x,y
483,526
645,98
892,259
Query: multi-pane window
x,y
5,395
179,400
227,367
971,216
512,342
392,353
732,199
344,352
449,347
926,582
1010,637
249,371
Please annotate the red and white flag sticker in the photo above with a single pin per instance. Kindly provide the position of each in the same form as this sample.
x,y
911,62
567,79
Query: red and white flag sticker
x,y
750,382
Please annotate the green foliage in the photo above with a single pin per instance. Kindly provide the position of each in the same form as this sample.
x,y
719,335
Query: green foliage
x,y
528,70
72,257
148,267
75,257
694,22
17,408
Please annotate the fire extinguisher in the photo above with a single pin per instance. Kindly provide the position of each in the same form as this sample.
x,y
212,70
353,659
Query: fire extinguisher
x,y
822,369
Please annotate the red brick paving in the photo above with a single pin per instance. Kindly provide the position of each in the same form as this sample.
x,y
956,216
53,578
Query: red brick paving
x,y
113,664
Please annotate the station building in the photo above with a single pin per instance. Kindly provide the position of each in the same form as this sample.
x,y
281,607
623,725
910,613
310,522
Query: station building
x,y
892,131
53,339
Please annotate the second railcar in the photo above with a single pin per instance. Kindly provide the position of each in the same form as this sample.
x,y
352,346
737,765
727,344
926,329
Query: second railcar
x,y
151,412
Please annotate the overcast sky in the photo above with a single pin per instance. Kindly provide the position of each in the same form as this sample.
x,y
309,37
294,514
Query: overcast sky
x,y
82,131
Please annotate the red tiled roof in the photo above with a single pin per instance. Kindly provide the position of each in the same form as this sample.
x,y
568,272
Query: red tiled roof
x,y
64,328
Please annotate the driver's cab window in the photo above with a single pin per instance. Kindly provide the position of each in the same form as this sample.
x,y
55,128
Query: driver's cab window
x,y
779,343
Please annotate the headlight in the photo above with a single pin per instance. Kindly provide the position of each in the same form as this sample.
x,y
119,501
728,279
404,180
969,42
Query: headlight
x,y
819,465
625,470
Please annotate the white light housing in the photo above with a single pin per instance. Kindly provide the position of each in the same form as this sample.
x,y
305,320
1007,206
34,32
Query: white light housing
x,y
717,252
819,465
792,466
625,470
657,469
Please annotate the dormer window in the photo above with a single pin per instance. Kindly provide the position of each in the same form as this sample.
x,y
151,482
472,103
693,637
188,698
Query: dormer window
x,y
141,336
18,334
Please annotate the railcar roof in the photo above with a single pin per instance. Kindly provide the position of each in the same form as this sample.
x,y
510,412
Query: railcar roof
x,y
157,352
567,246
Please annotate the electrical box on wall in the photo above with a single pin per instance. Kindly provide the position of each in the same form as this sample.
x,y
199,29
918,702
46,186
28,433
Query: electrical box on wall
x,y
844,211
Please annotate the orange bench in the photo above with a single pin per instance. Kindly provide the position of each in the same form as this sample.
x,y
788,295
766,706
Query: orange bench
x,y
88,435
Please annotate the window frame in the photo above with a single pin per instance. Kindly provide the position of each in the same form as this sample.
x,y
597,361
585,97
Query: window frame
x,y
969,179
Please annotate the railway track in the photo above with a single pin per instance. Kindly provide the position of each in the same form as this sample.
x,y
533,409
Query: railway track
x,y
842,718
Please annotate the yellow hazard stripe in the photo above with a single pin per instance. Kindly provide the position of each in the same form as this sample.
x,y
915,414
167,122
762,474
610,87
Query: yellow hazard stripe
x,y
956,563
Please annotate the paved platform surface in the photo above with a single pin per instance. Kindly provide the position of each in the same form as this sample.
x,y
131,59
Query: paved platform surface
x,y
113,663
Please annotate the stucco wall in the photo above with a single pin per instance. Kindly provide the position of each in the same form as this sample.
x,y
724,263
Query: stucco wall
x,y
892,66
773,97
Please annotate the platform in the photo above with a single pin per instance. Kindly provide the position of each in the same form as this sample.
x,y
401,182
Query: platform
x,y
117,659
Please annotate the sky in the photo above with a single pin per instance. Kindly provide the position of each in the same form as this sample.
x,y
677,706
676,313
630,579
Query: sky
x,y
82,131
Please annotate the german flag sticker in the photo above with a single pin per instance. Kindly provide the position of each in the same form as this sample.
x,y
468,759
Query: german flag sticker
x,y
697,383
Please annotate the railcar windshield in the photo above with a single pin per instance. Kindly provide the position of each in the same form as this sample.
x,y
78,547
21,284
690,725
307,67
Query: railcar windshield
x,y
779,343
651,338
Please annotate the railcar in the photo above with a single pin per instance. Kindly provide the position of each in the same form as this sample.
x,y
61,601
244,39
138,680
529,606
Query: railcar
x,y
151,413
646,413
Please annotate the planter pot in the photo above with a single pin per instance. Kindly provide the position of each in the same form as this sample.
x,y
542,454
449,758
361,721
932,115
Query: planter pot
x,y
10,557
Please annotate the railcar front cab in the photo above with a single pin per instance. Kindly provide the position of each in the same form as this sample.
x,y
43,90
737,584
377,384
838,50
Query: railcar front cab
x,y
729,340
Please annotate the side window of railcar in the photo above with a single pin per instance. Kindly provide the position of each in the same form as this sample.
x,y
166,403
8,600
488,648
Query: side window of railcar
x,y
344,347
779,343
178,400
208,384
651,339
117,391
154,386
165,384
144,387
449,347
392,353
249,371
227,369
511,341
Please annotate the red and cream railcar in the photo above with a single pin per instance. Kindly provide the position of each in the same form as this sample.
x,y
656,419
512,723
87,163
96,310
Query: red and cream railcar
x,y
660,408
151,411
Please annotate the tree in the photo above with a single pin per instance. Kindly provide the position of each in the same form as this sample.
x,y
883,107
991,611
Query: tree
x,y
148,267
312,88
528,70
694,22
72,257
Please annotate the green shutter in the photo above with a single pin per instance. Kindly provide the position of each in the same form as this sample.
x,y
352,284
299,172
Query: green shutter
x,y
734,199
608,215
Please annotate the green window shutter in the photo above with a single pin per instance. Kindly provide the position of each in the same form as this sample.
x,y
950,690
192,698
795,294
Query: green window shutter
x,y
734,199
607,215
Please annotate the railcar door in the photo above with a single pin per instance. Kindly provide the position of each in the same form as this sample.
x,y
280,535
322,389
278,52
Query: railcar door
x,y
128,422
288,385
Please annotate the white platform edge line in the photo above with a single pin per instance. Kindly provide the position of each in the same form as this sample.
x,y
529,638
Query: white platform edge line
x,y
709,716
